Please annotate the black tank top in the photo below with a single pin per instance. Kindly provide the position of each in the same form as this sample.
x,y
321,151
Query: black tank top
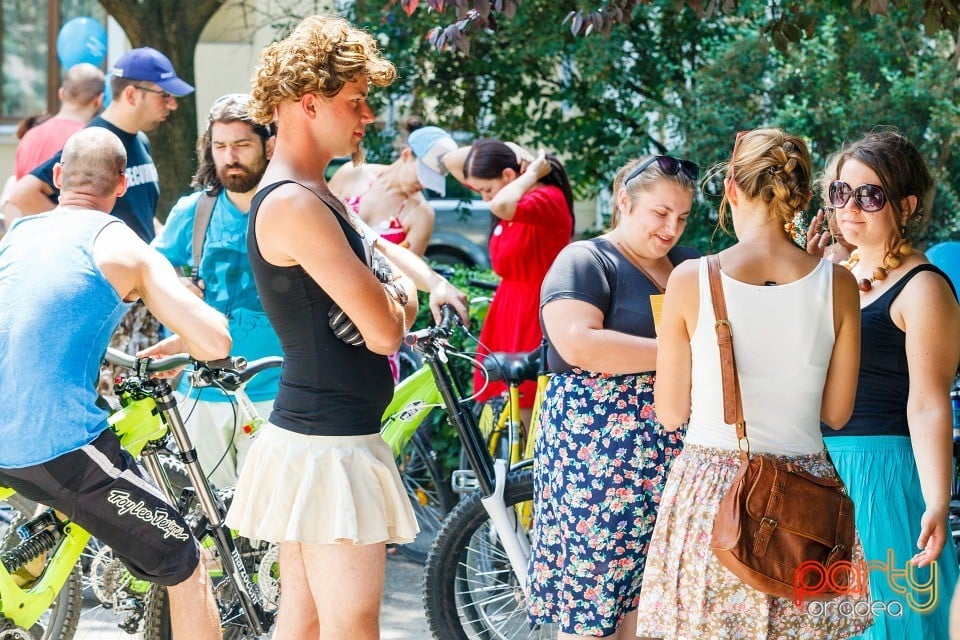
x,y
881,405
327,388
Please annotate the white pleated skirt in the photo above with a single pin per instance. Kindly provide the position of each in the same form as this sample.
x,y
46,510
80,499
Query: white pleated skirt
x,y
321,490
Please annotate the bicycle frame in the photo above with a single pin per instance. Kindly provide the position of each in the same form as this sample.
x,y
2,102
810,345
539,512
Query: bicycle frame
x,y
413,400
490,474
25,605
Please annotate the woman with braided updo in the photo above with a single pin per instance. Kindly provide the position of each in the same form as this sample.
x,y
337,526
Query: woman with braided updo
x,y
797,327
895,452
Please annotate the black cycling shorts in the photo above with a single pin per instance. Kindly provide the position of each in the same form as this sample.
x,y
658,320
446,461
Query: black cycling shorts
x,y
100,487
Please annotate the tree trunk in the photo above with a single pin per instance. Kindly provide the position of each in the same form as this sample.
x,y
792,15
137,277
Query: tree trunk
x,y
172,27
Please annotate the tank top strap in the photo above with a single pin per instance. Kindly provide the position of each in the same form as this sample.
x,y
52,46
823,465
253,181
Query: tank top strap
x,y
348,228
891,294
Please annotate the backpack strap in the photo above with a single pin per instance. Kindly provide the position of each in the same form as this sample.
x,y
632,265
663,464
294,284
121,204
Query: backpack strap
x,y
201,222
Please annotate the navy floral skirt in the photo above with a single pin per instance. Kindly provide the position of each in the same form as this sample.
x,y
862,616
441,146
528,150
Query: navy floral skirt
x,y
601,461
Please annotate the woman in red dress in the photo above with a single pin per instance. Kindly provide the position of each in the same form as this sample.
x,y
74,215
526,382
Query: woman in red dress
x,y
533,208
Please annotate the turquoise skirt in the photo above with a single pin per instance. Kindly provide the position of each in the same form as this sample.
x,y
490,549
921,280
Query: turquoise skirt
x,y
881,476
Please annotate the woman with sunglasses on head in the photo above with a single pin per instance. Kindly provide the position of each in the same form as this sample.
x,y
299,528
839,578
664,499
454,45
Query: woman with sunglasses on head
x,y
895,452
532,205
796,328
601,457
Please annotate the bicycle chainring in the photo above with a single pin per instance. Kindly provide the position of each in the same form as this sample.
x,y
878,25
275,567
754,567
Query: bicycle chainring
x,y
268,578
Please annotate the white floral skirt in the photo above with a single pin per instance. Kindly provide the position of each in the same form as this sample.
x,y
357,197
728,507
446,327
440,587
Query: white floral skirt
x,y
688,595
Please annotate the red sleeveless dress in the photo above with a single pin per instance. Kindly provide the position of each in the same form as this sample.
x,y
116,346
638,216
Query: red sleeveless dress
x,y
521,252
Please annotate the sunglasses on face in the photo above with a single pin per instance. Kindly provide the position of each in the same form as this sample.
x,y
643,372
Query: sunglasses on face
x,y
670,166
869,197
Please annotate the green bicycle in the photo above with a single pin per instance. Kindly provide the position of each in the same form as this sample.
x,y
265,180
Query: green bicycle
x,y
40,578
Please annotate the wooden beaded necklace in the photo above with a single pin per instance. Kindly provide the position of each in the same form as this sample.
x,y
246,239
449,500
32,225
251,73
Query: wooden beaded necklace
x,y
890,261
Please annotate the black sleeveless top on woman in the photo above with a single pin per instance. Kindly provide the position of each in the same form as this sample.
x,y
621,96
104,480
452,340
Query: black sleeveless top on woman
x,y
884,385
327,388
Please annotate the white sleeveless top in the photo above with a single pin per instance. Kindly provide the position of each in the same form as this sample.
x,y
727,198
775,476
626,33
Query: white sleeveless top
x,y
783,339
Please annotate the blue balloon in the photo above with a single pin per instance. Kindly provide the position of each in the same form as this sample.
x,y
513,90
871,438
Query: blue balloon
x,y
81,40
946,255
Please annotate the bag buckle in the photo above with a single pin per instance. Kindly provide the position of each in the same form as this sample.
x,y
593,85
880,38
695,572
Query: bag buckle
x,y
770,523
743,444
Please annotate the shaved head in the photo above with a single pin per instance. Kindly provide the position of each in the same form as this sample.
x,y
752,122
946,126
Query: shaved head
x,y
92,162
82,84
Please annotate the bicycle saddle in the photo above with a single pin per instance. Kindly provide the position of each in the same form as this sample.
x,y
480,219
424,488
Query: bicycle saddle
x,y
514,368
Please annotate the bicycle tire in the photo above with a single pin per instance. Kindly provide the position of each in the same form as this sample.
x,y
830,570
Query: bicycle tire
x,y
469,589
62,617
156,617
429,491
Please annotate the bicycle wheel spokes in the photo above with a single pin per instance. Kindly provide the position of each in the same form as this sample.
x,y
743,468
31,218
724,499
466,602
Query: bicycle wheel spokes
x,y
488,593
429,493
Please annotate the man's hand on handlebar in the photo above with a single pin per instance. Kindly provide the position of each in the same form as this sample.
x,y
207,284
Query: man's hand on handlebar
x,y
167,347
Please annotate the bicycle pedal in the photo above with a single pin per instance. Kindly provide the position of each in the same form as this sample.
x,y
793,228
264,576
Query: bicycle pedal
x,y
464,481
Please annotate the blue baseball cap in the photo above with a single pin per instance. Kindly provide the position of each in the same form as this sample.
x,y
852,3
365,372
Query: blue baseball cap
x,y
149,65
429,145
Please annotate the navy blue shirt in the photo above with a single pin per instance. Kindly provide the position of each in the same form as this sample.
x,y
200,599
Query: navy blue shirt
x,y
139,204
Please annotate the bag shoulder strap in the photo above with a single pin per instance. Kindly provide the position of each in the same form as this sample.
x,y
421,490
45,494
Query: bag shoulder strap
x,y
201,222
732,402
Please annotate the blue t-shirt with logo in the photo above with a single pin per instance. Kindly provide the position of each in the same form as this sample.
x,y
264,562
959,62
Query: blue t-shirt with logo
x,y
139,204
229,285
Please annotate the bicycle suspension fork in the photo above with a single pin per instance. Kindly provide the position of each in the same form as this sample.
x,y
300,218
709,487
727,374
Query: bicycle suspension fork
x,y
213,509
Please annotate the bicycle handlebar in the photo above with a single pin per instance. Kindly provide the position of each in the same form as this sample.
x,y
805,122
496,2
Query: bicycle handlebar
x,y
142,366
230,372
448,318
483,284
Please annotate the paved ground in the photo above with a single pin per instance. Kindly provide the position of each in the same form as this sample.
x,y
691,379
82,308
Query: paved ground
x,y
401,619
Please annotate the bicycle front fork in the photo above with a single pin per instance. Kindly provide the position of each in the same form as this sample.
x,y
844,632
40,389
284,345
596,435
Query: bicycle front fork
x,y
248,594
507,525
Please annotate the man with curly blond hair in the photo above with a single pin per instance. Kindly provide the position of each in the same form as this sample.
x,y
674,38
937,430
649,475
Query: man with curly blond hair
x,y
319,479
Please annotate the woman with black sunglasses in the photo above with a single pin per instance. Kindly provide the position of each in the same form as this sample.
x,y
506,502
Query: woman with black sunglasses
x,y
895,452
601,458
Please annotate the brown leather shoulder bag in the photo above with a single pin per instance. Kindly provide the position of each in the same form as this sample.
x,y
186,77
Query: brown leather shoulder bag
x,y
775,517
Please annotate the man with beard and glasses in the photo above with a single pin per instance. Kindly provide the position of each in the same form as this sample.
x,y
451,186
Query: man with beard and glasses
x,y
206,237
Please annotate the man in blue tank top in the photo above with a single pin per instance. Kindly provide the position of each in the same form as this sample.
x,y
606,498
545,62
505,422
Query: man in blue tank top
x,y
233,153
78,263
